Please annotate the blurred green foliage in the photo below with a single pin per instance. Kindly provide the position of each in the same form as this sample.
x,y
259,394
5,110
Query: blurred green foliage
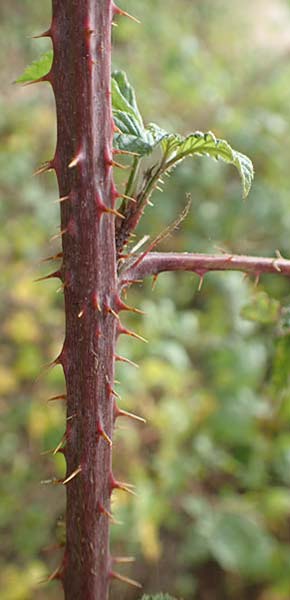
x,y
212,465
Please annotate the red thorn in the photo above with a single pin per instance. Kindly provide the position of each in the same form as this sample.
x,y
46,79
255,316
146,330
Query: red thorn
x,y
119,11
44,34
116,129
120,305
47,166
111,389
107,514
56,274
124,579
126,360
57,256
104,435
118,412
125,331
102,208
121,485
46,77
59,397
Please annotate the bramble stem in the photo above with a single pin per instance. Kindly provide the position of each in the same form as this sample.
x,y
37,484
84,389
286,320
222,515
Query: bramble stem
x,y
80,78
154,263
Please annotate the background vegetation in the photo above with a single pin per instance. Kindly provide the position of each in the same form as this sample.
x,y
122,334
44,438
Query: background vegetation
x,y
212,465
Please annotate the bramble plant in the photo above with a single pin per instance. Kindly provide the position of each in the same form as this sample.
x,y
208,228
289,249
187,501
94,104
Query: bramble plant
x,y
97,119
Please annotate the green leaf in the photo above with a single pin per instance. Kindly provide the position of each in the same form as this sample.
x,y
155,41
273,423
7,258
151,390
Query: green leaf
x,y
232,540
37,69
133,136
198,143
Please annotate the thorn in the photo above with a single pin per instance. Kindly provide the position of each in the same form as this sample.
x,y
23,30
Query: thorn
x,y
126,360
54,398
56,274
81,313
57,256
246,275
102,208
40,80
96,303
73,416
154,281
110,310
72,475
58,235
132,582
46,33
122,306
128,198
111,389
123,413
119,11
59,446
117,151
131,334
278,254
56,574
123,559
57,449
200,283
103,434
257,279
62,199
76,160
121,485
274,263
201,275
47,166
47,367
113,163
108,514
113,211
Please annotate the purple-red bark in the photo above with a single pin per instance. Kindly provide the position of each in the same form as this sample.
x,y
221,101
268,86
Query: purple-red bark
x,y
80,78
154,263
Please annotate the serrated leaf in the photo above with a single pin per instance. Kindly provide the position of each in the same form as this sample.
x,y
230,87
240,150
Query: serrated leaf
x,y
198,143
37,69
133,135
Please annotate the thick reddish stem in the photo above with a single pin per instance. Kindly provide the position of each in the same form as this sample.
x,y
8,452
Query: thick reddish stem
x,y
80,77
154,263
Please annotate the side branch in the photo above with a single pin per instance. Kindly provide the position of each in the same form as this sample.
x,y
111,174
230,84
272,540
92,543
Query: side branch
x,y
154,263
